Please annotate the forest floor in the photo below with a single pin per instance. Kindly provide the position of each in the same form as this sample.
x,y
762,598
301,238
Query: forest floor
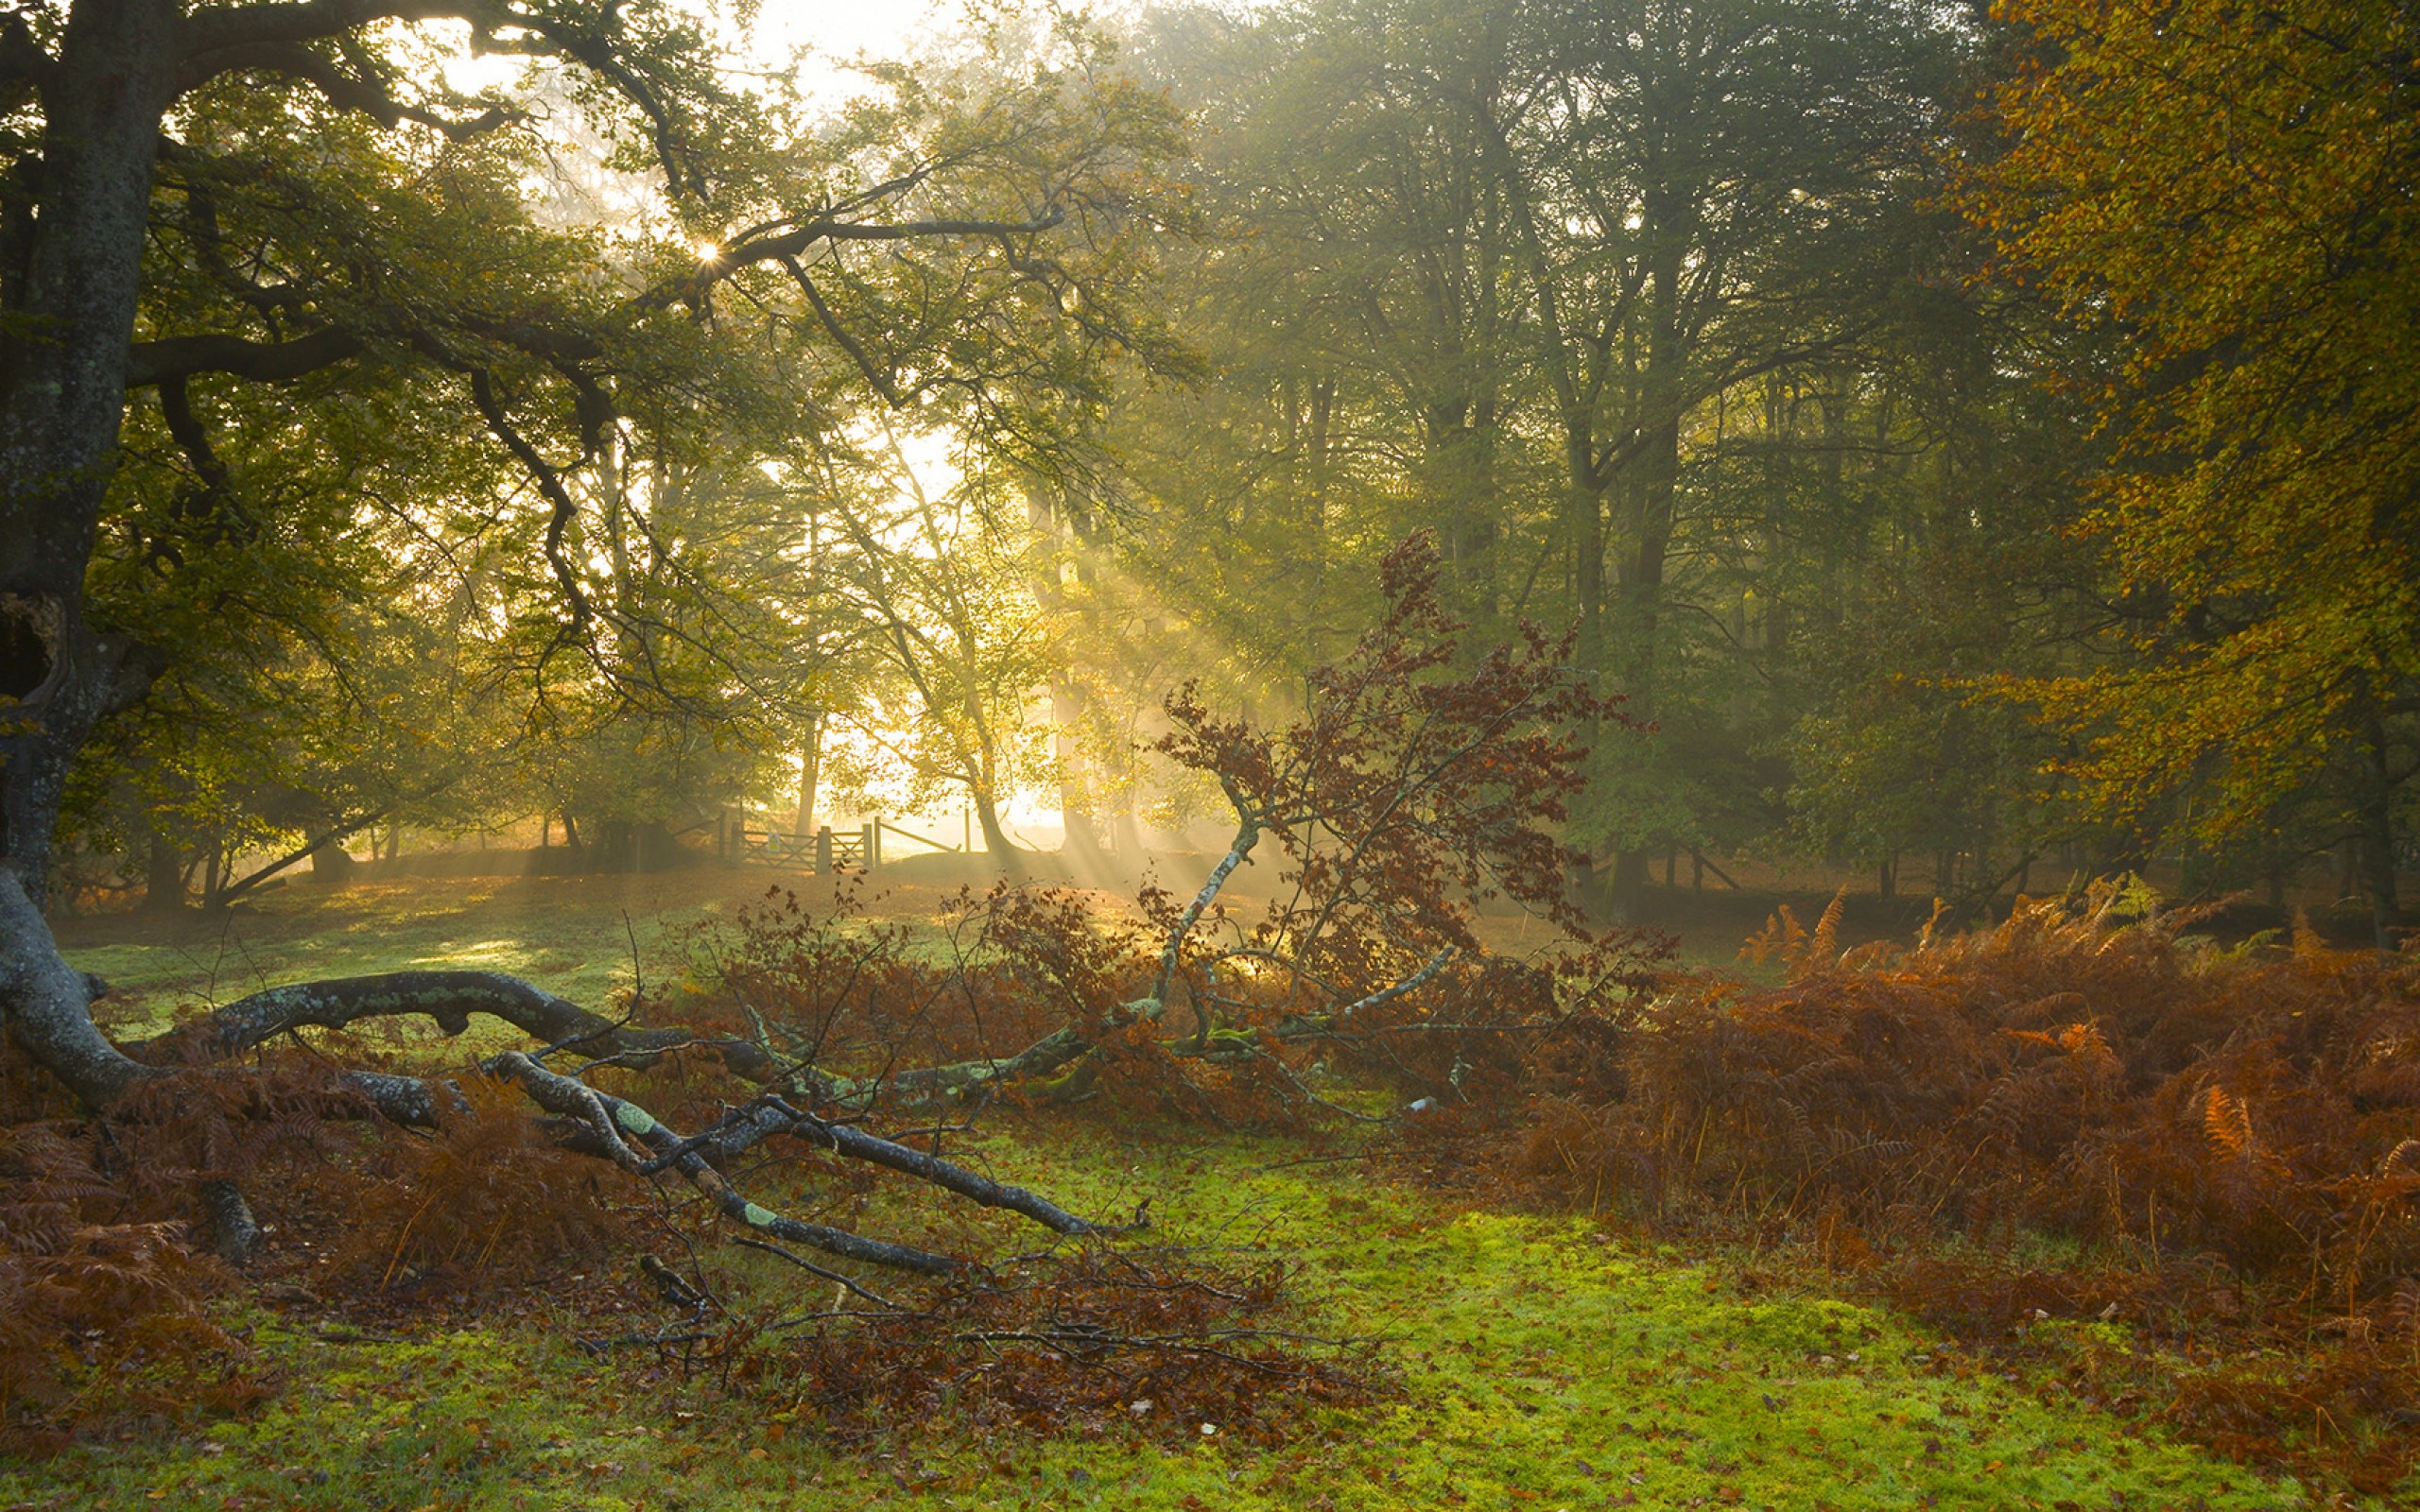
x,y
584,936
1523,1359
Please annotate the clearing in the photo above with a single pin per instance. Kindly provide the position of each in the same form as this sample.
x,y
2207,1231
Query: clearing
x,y
1528,1360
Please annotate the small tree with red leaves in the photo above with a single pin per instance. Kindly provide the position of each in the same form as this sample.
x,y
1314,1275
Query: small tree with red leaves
x,y
1410,794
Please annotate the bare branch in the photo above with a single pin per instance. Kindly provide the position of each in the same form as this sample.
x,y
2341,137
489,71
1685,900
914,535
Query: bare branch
x,y
229,29
577,1101
1247,836
1410,984
562,507
788,244
448,999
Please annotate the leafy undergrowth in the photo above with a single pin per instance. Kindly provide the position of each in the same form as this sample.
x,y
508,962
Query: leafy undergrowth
x,y
2178,1182
457,1321
1534,1361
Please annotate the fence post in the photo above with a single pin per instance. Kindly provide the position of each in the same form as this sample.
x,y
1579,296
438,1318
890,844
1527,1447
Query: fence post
x,y
824,851
868,858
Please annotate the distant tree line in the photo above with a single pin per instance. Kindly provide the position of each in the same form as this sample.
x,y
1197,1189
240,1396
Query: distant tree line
x,y
1975,443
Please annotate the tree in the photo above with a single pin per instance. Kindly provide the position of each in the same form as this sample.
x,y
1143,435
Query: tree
x,y
2228,189
951,644
1410,793
1716,192
224,196
1521,272
1419,787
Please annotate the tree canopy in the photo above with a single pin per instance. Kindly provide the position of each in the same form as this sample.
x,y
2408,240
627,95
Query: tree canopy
x,y
2230,189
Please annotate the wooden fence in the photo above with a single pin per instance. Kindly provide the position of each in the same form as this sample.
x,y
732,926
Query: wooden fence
x,y
743,837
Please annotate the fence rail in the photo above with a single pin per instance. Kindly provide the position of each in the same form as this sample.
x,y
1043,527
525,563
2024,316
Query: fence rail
x,y
919,839
827,849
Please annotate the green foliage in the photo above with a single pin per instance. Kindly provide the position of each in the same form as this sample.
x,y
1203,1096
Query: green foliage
x,y
516,524
1642,311
2226,187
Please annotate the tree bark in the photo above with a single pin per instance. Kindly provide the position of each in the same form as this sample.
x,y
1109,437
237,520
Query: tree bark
x,y
48,1004
62,399
1076,803
995,837
1630,875
163,875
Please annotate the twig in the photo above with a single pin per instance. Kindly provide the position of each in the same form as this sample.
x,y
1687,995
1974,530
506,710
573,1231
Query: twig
x,y
813,1269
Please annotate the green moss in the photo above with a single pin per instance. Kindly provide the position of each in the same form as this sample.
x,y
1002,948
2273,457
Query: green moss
x,y
1540,1363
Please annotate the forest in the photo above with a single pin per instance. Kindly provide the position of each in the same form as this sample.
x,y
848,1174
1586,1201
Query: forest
x,y
1335,753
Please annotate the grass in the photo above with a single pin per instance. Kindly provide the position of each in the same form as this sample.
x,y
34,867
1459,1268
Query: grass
x,y
1542,1363
1539,1361
585,937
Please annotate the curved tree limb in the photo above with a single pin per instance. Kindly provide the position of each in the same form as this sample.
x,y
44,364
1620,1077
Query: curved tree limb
x,y
49,1005
956,1079
448,999
771,1115
346,92
172,357
225,29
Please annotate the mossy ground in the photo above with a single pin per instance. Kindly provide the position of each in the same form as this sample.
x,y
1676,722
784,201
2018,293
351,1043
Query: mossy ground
x,y
583,936
1534,1361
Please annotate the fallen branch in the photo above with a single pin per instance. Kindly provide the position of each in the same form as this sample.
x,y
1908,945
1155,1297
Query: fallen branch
x,y
580,1103
1388,994
448,999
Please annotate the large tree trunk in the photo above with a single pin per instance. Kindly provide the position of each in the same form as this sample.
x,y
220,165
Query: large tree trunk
x,y
62,398
1076,803
1645,503
1629,884
163,875
48,1004
996,835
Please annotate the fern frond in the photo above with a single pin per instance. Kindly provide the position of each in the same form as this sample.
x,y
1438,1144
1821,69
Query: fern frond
x,y
2228,1123
1825,943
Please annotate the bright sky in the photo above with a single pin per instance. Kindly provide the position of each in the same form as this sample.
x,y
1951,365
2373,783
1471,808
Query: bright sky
x,y
834,32
838,30
841,25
